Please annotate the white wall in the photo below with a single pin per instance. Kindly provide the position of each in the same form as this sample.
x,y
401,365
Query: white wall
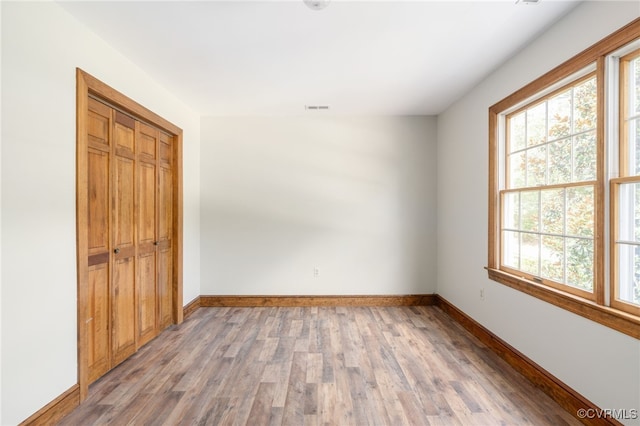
x,y
41,47
352,196
601,364
0,227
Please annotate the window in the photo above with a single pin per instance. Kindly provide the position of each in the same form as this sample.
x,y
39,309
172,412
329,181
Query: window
x,y
548,203
625,251
565,181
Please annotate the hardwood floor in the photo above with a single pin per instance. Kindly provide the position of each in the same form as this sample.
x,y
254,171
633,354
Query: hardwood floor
x,y
316,365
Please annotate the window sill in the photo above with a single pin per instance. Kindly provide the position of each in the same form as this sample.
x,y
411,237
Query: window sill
x,y
607,316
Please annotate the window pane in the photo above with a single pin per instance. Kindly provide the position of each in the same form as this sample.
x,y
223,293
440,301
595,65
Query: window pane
x,y
529,210
517,132
552,210
517,170
634,146
629,212
636,222
584,106
629,273
635,84
580,211
511,249
530,254
560,115
536,166
584,157
511,211
580,263
560,161
537,124
552,258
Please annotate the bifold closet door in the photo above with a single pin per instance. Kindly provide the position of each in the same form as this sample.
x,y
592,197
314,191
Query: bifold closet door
x,y
97,309
124,265
165,230
146,286
155,228
130,229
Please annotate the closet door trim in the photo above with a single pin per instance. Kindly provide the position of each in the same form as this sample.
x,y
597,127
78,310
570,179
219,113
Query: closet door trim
x,y
88,86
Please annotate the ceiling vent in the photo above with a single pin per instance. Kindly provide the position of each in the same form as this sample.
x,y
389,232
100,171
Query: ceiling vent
x,y
316,107
527,1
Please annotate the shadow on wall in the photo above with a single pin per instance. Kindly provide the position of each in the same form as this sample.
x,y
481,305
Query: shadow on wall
x,y
333,196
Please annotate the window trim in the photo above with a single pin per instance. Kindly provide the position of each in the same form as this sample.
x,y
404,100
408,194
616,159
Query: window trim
x,y
625,176
595,310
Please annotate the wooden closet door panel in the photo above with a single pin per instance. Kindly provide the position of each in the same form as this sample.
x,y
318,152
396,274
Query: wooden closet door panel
x,y
124,205
147,296
147,205
97,309
123,336
99,353
165,196
98,202
165,296
125,142
98,350
147,141
123,294
165,231
165,149
99,125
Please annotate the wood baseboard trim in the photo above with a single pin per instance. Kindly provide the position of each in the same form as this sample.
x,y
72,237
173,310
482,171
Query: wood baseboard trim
x,y
54,411
306,301
560,392
191,307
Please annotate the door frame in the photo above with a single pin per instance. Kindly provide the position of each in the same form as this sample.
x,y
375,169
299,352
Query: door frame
x,y
89,86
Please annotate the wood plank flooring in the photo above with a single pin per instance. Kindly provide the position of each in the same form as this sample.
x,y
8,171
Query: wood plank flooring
x,y
316,366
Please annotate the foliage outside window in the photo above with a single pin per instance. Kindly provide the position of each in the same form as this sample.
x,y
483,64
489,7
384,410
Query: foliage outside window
x,y
549,201
564,180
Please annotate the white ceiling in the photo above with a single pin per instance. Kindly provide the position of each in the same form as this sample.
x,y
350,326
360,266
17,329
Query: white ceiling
x,y
358,57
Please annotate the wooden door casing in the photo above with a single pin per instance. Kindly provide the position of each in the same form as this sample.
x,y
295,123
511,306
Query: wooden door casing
x,y
112,261
125,191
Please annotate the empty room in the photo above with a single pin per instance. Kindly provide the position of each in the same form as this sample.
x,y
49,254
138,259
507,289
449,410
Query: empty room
x,y
312,212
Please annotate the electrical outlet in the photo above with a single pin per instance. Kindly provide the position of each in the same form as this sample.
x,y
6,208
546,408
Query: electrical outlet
x,y
316,272
482,294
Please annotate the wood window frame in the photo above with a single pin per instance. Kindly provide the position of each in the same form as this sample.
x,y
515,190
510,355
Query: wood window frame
x,y
596,309
88,86
626,177
591,295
